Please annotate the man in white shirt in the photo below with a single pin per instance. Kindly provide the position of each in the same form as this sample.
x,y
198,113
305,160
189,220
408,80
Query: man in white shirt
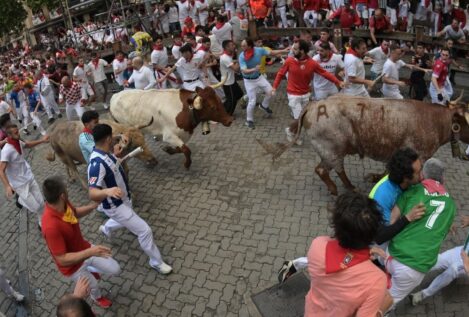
x,y
119,65
80,76
333,64
223,31
379,55
142,76
228,67
159,60
16,174
97,66
355,70
183,8
281,10
177,44
188,67
46,94
391,82
5,107
202,10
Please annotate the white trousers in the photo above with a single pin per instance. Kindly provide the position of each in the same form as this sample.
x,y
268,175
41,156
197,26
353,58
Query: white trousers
x,y
125,217
38,122
252,86
96,264
321,94
30,196
387,93
297,103
311,18
86,90
77,108
192,85
392,14
23,115
447,93
50,104
362,92
282,12
403,280
450,261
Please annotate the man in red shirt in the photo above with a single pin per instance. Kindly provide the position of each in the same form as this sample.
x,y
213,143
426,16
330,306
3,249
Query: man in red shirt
x,y
379,23
74,256
300,68
440,87
348,18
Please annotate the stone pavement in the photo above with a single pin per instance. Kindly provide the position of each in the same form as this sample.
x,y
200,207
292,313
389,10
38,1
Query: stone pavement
x,y
225,226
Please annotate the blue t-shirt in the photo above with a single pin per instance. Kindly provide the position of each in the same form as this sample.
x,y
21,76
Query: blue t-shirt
x,y
86,143
386,193
33,99
255,60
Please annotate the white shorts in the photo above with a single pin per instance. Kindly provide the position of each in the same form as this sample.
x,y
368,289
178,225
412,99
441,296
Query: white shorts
x,y
387,93
403,279
320,94
297,103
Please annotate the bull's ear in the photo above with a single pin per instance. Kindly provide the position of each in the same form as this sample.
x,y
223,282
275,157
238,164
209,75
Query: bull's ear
x,y
198,89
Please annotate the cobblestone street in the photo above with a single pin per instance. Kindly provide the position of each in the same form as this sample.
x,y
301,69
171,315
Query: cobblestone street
x,y
226,225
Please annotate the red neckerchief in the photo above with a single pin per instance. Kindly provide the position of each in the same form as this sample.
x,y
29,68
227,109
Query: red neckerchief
x,y
385,50
202,1
219,25
226,53
240,16
433,186
81,66
353,52
249,53
86,130
328,58
427,3
178,43
15,143
203,48
338,258
95,63
189,60
120,59
158,47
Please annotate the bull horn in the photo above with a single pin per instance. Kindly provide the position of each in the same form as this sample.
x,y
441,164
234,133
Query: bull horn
x,y
221,83
455,102
198,103
146,125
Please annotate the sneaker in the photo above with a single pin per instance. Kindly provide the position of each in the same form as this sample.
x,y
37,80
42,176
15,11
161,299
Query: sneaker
x,y
163,268
103,302
287,270
20,121
26,132
59,115
17,296
92,108
103,231
250,124
34,127
416,298
290,135
51,120
106,106
18,204
267,110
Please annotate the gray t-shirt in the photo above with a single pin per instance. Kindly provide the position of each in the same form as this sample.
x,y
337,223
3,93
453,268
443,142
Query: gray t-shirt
x,y
450,33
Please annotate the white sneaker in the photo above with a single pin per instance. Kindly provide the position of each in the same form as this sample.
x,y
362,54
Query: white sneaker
x,y
163,268
416,298
106,106
17,296
103,231
290,135
92,108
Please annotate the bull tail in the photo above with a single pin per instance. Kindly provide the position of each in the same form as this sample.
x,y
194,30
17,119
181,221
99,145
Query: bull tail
x,y
50,156
277,149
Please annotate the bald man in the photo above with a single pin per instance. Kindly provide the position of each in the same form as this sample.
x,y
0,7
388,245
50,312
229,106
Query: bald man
x,y
72,94
142,76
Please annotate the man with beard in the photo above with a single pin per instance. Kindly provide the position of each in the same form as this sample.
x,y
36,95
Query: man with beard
x,y
301,69
333,64
80,76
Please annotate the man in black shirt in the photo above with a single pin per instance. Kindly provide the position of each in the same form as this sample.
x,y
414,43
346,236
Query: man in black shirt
x,y
417,80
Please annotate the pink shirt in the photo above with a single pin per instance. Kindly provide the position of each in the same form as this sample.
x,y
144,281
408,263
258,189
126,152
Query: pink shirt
x,y
356,291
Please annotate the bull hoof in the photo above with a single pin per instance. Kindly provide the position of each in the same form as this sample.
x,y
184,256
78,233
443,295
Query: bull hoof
x,y
333,191
187,164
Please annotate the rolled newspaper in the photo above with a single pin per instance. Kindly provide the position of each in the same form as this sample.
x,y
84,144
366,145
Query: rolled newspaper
x,y
133,153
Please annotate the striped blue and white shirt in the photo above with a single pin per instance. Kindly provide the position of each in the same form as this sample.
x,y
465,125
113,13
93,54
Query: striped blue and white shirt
x,y
104,173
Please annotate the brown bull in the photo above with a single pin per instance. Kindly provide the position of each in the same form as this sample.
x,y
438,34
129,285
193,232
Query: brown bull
x,y
375,128
64,143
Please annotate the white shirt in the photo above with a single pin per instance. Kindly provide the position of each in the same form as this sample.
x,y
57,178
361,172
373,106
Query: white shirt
x,y
175,52
98,72
173,14
335,4
143,78
379,59
331,66
215,47
18,170
159,58
79,74
222,34
353,66
225,62
119,66
45,90
201,6
404,8
183,11
230,6
4,107
189,70
391,70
